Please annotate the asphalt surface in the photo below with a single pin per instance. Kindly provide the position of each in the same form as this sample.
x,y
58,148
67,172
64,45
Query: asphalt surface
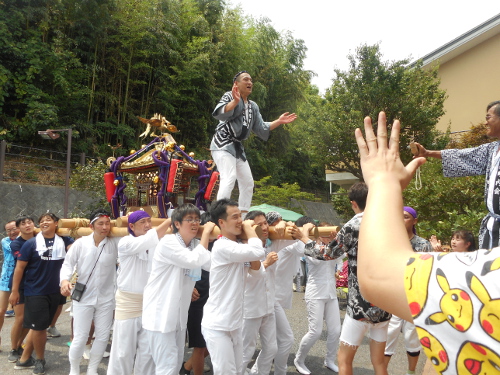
x,y
57,349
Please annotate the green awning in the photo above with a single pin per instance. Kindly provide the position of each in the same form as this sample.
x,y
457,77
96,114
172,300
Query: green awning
x,y
287,215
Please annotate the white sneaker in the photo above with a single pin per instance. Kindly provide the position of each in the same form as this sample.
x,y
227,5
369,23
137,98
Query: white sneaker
x,y
301,367
105,355
86,352
331,366
53,332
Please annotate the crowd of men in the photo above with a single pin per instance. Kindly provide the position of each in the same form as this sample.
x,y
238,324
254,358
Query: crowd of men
x,y
156,273
146,281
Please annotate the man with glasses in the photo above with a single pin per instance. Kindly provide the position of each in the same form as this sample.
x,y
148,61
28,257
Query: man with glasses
x,y
177,265
481,160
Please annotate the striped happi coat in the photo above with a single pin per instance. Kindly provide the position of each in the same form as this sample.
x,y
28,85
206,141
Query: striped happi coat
x,y
235,126
481,160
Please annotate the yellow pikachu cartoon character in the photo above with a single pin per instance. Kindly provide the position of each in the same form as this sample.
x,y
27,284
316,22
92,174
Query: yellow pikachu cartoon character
x,y
456,306
417,283
491,265
489,315
434,350
477,359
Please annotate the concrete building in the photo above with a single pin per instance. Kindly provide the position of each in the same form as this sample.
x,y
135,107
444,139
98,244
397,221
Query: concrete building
x,y
469,69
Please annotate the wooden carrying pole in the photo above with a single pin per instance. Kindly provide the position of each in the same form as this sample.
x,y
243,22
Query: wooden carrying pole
x,y
79,223
69,228
122,221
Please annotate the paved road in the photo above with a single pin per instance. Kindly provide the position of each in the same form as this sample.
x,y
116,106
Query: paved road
x,y
57,350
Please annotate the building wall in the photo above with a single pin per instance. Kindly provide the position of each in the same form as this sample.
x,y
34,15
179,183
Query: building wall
x,y
33,200
472,80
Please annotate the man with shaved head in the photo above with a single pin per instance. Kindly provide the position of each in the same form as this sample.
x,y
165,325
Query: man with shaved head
x,y
480,160
238,116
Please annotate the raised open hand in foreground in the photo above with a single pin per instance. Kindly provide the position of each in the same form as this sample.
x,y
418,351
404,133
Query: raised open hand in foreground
x,y
384,248
379,158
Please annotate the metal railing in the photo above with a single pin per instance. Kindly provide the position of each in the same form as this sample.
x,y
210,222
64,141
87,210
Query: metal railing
x,y
34,165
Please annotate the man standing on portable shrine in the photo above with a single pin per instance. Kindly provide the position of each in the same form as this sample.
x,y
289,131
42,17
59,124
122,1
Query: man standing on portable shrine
x,y
238,116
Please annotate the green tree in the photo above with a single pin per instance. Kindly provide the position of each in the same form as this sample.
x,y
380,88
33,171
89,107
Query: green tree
x,y
281,84
89,178
96,65
342,205
278,195
40,80
448,204
371,85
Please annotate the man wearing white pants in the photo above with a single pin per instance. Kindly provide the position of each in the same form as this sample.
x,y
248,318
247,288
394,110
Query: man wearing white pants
x,y
288,253
322,304
176,267
94,259
130,349
233,169
258,313
223,313
238,117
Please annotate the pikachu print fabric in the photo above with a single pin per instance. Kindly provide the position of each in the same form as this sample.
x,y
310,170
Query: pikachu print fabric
x,y
454,299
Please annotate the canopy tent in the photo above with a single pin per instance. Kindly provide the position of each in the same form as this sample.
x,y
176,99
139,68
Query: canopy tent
x,y
287,215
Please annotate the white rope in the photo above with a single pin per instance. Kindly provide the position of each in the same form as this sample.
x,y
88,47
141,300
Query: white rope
x,y
418,180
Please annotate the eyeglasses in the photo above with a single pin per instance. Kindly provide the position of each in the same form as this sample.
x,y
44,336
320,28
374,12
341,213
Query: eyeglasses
x,y
12,230
489,116
191,221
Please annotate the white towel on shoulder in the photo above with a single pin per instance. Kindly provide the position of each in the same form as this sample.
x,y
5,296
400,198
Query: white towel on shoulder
x,y
58,249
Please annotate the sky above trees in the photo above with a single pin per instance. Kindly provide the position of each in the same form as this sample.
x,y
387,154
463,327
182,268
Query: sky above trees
x,y
333,29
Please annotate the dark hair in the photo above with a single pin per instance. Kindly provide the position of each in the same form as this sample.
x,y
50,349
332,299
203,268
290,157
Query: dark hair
x,y
180,213
301,221
22,219
97,213
358,193
236,76
10,221
495,104
49,214
467,236
251,215
205,218
219,209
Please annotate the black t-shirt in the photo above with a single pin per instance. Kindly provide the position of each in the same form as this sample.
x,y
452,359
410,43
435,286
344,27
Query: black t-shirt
x,y
42,271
